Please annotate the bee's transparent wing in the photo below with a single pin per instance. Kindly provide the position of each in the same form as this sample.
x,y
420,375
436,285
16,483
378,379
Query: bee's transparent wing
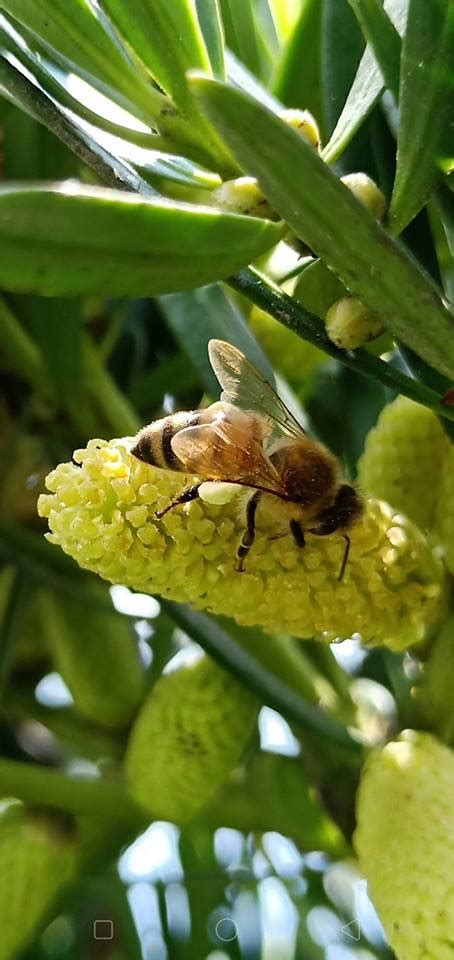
x,y
245,387
219,451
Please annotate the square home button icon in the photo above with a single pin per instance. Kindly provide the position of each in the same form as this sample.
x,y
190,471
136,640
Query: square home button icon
x,y
103,930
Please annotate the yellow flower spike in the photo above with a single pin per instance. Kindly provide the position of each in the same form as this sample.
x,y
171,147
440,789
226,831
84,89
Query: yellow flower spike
x,y
294,357
201,718
402,461
393,590
444,511
37,863
349,324
405,843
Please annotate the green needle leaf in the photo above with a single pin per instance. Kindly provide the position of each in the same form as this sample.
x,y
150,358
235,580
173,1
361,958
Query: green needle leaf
x,y
426,107
326,216
166,38
298,74
210,19
383,38
87,240
75,36
208,313
366,89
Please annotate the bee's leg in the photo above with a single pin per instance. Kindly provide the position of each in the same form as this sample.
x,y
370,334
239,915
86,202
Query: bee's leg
x,y
190,494
248,536
297,533
345,557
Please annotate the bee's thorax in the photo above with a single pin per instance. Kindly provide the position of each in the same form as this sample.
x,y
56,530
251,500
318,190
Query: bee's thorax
x,y
308,472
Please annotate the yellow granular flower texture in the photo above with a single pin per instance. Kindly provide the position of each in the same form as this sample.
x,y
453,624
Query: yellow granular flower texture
x,y
405,843
402,460
101,511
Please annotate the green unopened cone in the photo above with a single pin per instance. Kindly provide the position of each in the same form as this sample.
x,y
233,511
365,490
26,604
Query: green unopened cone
x,y
103,513
403,458
189,735
37,862
405,843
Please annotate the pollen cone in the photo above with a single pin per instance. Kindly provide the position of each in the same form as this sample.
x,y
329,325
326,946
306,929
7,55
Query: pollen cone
x,y
402,460
101,511
405,843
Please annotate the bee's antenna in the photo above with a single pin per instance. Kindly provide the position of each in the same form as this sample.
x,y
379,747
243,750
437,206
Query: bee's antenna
x,y
345,557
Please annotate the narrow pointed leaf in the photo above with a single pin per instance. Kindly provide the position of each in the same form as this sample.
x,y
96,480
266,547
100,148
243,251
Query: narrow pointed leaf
x,y
241,32
366,89
241,77
285,14
328,218
383,37
165,37
55,241
196,316
167,41
426,107
210,19
298,75
75,36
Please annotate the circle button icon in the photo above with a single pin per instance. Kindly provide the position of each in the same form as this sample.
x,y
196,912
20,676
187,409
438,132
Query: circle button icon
x,y
226,929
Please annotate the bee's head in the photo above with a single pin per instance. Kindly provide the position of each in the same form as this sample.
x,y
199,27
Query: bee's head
x,y
346,507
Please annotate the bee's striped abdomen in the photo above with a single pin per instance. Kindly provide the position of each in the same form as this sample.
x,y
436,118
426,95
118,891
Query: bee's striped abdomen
x,y
154,443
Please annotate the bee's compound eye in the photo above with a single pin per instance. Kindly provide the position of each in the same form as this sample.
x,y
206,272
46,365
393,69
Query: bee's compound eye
x,y
217,492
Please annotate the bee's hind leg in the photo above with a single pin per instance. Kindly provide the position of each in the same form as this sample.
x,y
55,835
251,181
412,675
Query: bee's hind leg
x,y
190,494
297,533
249,534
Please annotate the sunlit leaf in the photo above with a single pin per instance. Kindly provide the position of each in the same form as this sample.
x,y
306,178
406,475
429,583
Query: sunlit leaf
x,y
426,107
366,89
89,240
74,35
382,37
165,37
210,19
297,79
328,218
241,32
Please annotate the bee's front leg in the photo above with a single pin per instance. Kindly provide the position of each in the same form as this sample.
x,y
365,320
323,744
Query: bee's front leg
x,y
249,534
297,533
190,494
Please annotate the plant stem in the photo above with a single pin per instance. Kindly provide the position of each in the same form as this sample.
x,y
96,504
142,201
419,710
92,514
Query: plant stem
x,y
265,294
257,678
39,785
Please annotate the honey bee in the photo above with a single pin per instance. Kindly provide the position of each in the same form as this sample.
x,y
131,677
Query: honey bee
x,y
250,438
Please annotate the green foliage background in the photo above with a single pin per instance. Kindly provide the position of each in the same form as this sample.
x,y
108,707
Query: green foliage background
x,y
115,272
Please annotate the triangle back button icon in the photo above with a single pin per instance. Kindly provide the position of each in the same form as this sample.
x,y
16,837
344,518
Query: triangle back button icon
x,y
352,930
